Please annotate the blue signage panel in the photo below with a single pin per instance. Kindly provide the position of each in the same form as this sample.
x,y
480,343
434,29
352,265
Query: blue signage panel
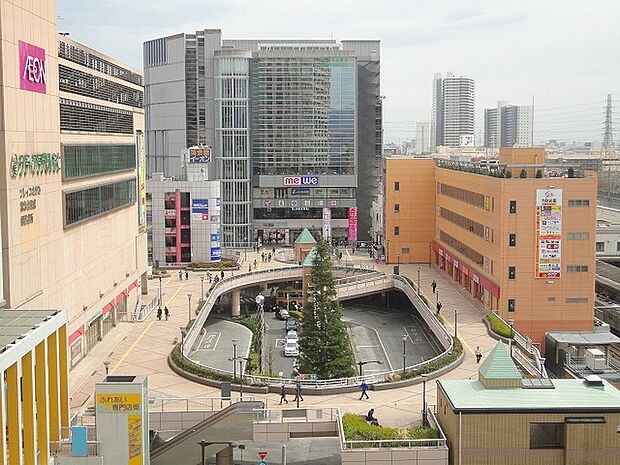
x,y
215,237
218,201
216,254
200,206
301,191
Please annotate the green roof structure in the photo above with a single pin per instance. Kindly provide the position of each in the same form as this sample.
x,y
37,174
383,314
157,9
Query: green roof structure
x,y
305,237
310,257
499,366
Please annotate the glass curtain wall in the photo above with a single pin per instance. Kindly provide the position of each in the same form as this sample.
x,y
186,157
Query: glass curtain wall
x,y
232,78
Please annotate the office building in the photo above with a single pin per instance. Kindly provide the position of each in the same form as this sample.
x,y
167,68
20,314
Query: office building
x,y
294,126
184,218
452,115
518,236
71,198
422,137
559,421
508,126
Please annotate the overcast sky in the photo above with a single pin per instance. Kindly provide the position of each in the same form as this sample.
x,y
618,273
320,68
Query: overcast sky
x,y
564,53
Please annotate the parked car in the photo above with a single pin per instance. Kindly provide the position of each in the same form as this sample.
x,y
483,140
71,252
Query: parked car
x,y
291,349
291,324
292,336
282,313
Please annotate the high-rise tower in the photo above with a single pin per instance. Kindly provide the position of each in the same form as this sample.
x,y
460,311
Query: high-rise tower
x,y
453,109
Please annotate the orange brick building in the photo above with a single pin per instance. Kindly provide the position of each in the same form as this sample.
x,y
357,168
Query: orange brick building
x,y
519,236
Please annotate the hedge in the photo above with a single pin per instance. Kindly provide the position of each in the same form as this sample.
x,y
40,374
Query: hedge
x,y
498,326
438,364
209,265
356,428
194,368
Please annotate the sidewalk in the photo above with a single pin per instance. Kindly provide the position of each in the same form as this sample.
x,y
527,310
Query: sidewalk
x,y
142,348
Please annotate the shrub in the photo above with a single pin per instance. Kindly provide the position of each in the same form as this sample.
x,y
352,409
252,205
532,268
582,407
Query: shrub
x,y
194,368
538,173
523,174
209,265
438,364
498,326
356,428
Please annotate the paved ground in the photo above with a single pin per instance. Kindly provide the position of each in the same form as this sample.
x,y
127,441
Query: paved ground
x,y
142,348
275,338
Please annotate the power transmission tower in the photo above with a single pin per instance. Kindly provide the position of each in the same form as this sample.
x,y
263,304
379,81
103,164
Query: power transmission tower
x,y
608,137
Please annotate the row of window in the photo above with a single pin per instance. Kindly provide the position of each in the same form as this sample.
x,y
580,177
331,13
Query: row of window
x,y
88,203
512,270
464,222
301,213
86,160
464,195
465,250
512,303
89,117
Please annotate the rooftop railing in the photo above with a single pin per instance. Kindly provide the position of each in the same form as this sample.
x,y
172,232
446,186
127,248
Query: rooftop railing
x,y
514,171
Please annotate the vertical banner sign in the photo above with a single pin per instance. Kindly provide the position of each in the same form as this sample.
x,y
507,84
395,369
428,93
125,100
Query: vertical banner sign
x,y
327,223
352,225
126,404
141,178
548,233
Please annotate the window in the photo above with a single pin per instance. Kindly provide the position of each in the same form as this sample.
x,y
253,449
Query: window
x,y
396,230
512,272
576,300
405,250
87,203
396,186
578,236
546,435
89,117
397,209
513,206
617,246
512,240
600,247
577,268
579,203
511,305
550,299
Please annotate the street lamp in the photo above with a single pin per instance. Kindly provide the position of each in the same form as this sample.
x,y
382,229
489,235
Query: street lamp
x,y
418,280
234,359
183,336
430,249
361,364
202,289
203,445
398,263
161,296
106,364
404,339
456,312
511,323
424,378
189,308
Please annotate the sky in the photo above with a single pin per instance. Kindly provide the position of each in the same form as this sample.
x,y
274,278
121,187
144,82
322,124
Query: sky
x,y
563,54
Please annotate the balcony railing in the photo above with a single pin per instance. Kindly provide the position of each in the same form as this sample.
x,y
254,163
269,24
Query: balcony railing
x,y
513,171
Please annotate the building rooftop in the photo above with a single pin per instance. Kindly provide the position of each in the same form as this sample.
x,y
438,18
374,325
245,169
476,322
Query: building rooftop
x,y
498,365
305,237
583,338
16,324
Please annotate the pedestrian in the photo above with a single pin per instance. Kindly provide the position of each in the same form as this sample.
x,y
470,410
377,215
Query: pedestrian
x,y
478,354
249,268
255,264
269,257
340,256
283,394
298,393
166,313
433,286
370,417
438,308
222,273
364,388
210,277
159,313
186,276
273,250
262,257
180,275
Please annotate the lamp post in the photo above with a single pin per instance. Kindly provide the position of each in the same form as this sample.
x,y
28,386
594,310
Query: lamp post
x,y
404,339
189,308
361,364
430,250
424,378
511,323
456,313
418,280
161,295
202,287
183,336
203,445
106,364
234,359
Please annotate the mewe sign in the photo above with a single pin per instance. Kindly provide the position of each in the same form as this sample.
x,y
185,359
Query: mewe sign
x,y
32,69
300,180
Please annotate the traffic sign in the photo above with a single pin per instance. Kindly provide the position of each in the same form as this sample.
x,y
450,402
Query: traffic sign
x,y
262,454
262,462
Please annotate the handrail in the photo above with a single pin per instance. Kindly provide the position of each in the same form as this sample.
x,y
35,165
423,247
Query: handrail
x,y
158,404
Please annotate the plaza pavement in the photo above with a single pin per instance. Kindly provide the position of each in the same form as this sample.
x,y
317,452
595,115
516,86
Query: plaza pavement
x,y
142,349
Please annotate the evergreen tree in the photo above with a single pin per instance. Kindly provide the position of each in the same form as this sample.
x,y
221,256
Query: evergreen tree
x,y
325,348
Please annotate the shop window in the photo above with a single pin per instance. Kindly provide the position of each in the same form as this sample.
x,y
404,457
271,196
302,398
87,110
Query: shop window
x,y
397,186
512,240
512,272
397,210
513,206
396,230
546,435
600,247
511,305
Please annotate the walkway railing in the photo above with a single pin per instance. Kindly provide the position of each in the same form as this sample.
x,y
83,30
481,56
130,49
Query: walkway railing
x,y
306,415
193,404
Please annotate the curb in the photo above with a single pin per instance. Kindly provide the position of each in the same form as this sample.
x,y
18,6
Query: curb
x,y
495,336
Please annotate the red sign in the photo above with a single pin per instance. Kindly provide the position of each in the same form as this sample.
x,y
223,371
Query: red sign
x,y
32,70
262,454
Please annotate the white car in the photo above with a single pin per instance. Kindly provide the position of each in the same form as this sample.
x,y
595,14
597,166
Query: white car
x,y
291,349
292,336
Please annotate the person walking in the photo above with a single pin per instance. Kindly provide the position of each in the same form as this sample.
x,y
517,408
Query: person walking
x,y
364,388
210,277
180,275
166,313
298,393
478,354
273,250
438,308
250,268
159,313
262,257
186,276
222,273
283,394
433,286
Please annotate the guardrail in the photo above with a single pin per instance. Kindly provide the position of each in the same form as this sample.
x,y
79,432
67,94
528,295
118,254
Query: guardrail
x,y
306,415
193,404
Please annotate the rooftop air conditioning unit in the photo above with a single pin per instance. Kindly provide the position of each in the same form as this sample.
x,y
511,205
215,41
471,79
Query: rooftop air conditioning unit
x,y
595,360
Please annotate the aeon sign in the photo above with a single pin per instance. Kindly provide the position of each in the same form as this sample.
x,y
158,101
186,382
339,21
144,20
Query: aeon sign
x,y
300,180
32,69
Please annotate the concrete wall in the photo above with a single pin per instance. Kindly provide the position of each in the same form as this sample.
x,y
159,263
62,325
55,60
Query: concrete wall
x,y
282,432
412,456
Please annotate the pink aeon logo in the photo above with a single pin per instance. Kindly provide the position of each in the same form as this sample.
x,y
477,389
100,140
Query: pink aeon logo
x,y
32,70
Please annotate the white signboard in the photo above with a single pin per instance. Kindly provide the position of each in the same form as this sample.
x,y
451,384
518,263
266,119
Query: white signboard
x,y
327,223
548,233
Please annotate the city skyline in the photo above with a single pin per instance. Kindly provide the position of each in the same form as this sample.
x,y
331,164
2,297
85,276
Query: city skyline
x,y
418,39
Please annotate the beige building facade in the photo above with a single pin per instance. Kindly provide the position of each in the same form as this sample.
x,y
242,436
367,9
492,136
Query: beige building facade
x,y
73,225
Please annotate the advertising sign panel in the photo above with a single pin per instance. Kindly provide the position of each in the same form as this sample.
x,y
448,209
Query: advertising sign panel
x,y
141,177
352,225
548,257
200,209
216,254
300,180
467,140
200,155
32,68
129,404
327,223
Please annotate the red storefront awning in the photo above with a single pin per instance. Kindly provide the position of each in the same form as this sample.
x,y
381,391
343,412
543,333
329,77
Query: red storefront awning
x,y
76,334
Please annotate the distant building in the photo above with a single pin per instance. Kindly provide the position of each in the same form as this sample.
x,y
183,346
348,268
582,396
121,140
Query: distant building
x,y
452,113
508,126
559,421
423,137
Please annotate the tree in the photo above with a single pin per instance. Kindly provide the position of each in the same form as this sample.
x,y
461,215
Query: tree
x,y
325,348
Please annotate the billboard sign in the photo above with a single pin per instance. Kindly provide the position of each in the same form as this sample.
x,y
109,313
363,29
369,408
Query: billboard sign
x,y
327,223
32,68
216,254
467,140
200,209
300,180
141,178
548,257
200,155
352,225
129,404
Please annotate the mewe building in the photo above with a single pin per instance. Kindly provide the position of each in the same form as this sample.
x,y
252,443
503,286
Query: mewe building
x,y
71,201
519,236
